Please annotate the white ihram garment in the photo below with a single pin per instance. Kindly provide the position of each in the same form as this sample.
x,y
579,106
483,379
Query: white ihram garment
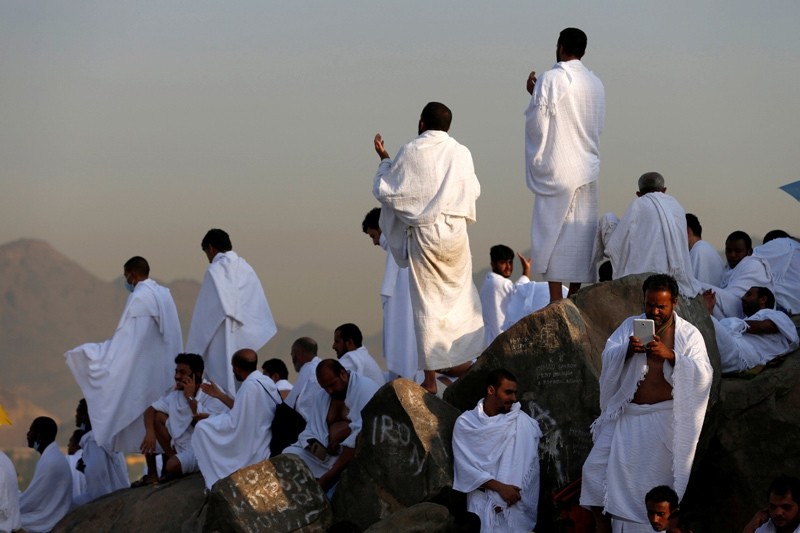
x,y
750,272
361,362
783,256
105,471
301,397
48,497
496,294
399,340
740,350
707,264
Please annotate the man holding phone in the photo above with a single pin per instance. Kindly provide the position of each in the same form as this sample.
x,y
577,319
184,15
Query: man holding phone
x,y
647,431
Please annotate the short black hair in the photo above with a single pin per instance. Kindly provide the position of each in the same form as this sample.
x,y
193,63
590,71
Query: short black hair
x,y
217,238
663,493
350,332
606,271
651,182
244,363
275,366
775,234
783,485
764,292
307,344
45,428
500,252
573,41
496,377
138,265
193,361
661,282
740,235
371,220
331,364
693,223
436,116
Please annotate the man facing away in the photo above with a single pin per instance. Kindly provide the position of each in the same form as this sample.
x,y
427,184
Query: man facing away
x,y
497,289
122,376
653,402
761,337
327,445
563,123
225,443
707,265
48,497
170,421
399,340
349,348
305,361
782,514
428,194
231,312
278,372
496,458
9,495
660,503
651,237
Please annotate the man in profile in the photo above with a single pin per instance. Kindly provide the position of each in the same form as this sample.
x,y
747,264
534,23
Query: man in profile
x,y
305,361
707,265
428,195
231,312
348,343
563,123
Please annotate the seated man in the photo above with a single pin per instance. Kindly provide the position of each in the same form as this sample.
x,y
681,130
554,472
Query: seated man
x,y
305,361
742,272
496,459
9,495
276,370
328,443
105,471
347,343
782,515
647,431
651,237
171,419
225,443
782,252
707,265
75,454
762,336
48,497
497,289
660,502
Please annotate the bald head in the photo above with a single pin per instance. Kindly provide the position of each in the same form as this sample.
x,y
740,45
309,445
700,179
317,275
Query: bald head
x,y
651,182
245,361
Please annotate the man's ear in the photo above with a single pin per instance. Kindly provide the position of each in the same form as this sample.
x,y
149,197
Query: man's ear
x,y
490,390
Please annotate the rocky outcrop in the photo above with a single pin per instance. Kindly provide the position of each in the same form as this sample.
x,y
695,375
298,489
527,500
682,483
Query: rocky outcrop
x,y
420,518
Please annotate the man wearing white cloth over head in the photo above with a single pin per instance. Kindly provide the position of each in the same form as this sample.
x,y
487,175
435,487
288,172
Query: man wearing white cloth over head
x,y
653,400
122,376
231,312
428,194
495,449
562,162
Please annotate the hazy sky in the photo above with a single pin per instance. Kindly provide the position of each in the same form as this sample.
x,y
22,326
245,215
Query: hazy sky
x,y
132,128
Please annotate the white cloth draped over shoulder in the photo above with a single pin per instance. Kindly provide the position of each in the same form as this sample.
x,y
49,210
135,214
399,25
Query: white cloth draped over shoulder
x,y
78,479
650,237
750,272
399,340
783,256
690,377
301,397
769,527
527,299
179,415
105,471
707,265
48,497
503,447
428,195
231,313
225,443
9,495
122,376
496,294
563,123
740,350
362,362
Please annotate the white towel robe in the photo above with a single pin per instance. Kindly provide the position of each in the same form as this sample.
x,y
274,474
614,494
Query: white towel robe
x,y
225,443
496,295
105,471
707,265
739,350
428,194
9,496
783,256
231,313
750,272
399,339
502,447
361,362
48,497
301,397
563,123
122,376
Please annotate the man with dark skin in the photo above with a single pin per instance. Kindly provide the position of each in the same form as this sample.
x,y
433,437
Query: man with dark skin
x,y
660,502
782,514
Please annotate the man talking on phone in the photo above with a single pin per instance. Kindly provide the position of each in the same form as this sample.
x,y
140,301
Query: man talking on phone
x,y
653,399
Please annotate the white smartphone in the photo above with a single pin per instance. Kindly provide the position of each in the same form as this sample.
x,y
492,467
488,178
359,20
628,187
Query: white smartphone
x,y
644,329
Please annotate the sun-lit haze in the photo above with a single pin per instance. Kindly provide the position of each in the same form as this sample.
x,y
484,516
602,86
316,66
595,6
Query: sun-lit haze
x,y
132,128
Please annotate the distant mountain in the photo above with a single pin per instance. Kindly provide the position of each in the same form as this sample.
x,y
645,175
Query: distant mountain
x,y
50,304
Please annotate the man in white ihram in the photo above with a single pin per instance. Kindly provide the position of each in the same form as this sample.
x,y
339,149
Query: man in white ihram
x,y
562,161
428,195
496,458
122,376
231,312
349,348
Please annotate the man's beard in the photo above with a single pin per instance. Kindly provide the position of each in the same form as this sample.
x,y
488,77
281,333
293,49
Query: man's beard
x,y
340,395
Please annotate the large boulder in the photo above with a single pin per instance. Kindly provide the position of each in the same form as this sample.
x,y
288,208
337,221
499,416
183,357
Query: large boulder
x,y
403,456
425,517
277,495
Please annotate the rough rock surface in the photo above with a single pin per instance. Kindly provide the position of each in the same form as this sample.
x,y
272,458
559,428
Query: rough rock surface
x,y
403,456
420,518
278,495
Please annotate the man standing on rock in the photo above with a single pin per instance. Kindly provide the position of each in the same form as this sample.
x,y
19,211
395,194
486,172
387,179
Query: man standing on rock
x,y
653,400
495,448
428,194
562,161
231,312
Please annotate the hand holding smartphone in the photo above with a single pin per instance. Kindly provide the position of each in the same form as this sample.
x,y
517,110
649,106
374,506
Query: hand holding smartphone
x,y
644,329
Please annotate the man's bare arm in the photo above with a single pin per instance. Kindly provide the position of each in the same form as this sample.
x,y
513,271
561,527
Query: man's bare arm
x,y
379,148
509,493
761,327
215,392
